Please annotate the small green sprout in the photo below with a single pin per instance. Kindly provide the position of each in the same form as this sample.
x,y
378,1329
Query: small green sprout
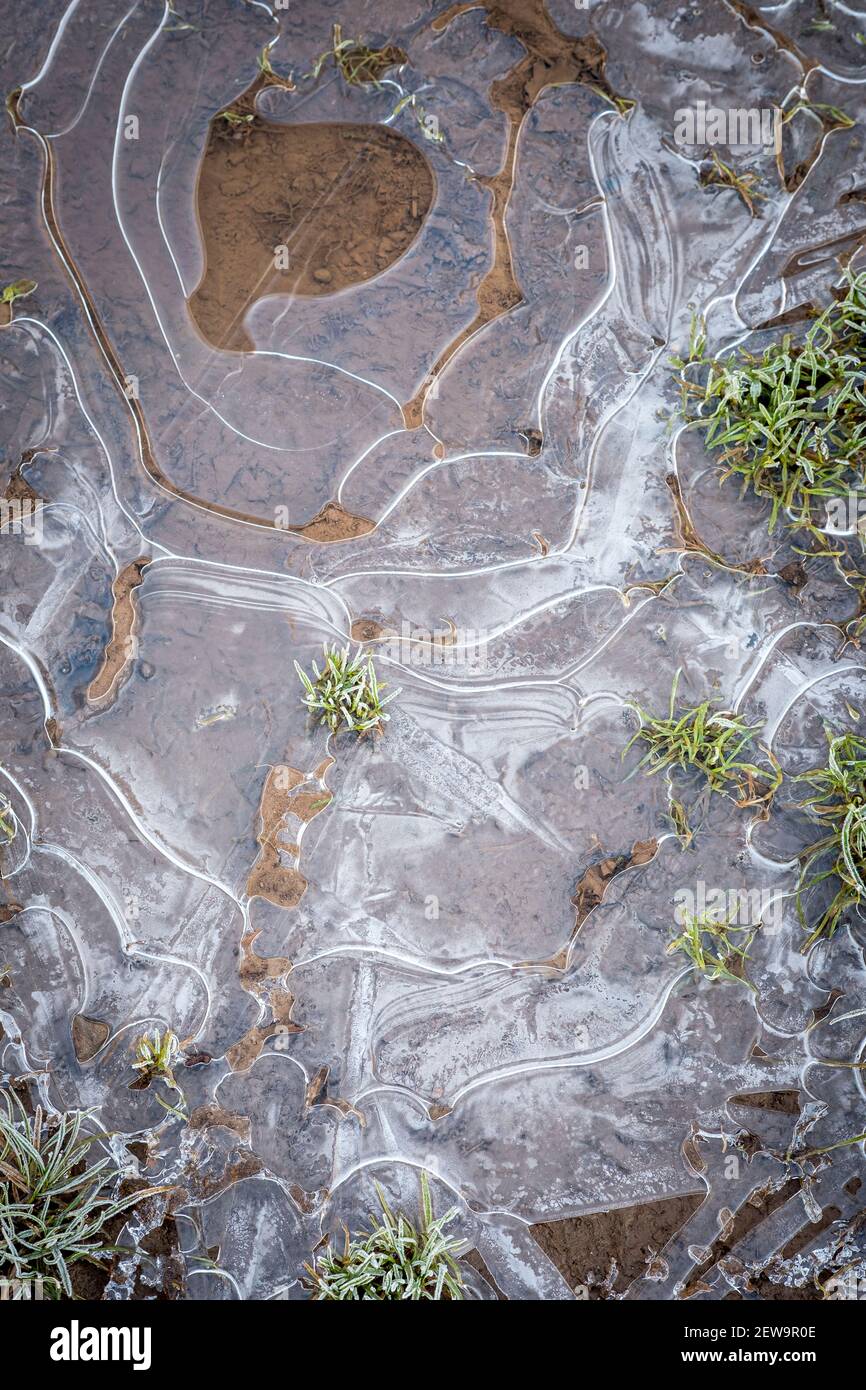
x,y
19,290
716,172
235,118
839,805
707,943
712,741
346,692
8,821
362,66
357,63
393,1260
155,1056
53,1206
831,116
428,125
624,105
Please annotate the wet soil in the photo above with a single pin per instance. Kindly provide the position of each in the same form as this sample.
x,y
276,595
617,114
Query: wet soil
x,y
271,877
120,650
599,1255
88,1036
264,186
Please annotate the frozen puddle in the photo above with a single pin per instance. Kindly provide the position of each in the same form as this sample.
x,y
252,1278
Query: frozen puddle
x,y
387,357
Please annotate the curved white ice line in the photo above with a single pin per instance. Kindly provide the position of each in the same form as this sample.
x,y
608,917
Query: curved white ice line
x,y
128,946
115,791
49,57
280,575
569,1063
772,728
99,541
606,116
24,318
55,135
416,963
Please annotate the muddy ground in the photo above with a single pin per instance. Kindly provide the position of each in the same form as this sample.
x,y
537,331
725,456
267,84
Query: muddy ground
x,y
375,345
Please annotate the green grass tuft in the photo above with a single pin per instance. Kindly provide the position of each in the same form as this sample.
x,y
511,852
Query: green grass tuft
x,y
53,1206
394,1260
716,173
155,1056
8,821
19,290
714,742
790,423
839,805
346,693
708,945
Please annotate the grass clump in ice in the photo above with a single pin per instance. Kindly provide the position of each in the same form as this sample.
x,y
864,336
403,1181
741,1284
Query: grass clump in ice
x,y
707,943
356,62
54,1205
713,741
19,290
838,803
346,692
394,1260
8,821
790,423
155,1056
714,172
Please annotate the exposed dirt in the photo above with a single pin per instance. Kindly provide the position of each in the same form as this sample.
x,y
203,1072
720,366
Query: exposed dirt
x,y
263,186
781,1102
264,977
18,489
334,523
326,526
88,1036
600,1255
366,630
271,877
119,653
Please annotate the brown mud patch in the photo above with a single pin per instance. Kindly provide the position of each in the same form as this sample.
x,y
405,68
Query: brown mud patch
x,y
264,977
591,888
334,523
119,653
780,1102
367,630
18,489
271,877
346,201
142,441
601,1254
88,1036
316,1093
